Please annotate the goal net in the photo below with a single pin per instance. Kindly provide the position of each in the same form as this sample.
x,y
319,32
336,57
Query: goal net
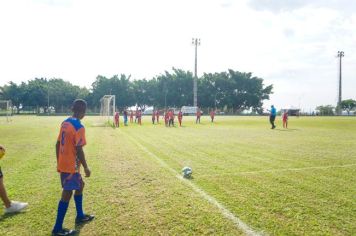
x,y
6,109
107,108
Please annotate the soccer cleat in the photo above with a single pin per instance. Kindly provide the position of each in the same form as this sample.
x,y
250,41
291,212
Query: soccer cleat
x,y
16,207
64,232
85,219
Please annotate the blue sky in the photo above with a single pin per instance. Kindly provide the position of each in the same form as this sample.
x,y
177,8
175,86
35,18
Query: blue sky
x,y
290,44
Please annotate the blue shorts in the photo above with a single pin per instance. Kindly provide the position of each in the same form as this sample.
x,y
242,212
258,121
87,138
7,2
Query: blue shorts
x,y
71,181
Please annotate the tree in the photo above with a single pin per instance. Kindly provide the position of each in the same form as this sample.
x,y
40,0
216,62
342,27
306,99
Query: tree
x,y
121,87
327,110
348,105
62,93
236,90
232,89
174,89
14,93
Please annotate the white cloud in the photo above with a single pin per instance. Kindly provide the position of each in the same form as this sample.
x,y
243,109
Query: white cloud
x,y
291,46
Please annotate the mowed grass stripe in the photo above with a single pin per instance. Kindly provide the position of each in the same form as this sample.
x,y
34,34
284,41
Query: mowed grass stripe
x,y
224,211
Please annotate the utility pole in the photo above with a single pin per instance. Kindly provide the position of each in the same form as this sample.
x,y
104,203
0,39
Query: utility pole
x,y
196,43
340,55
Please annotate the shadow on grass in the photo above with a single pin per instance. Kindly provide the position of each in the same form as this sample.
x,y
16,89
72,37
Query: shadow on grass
x,y
190,177
4,216
79,227
288,130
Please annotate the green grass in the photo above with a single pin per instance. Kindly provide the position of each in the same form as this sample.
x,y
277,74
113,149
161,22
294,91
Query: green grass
x,y
299,181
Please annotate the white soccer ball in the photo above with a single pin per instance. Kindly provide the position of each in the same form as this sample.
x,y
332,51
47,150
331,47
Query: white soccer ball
x,y
187,172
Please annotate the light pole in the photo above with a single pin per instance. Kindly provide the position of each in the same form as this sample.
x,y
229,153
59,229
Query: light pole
x,y
47,97
196,43
340,55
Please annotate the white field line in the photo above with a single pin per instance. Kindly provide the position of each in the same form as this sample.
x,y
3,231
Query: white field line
x,y
224,211
282,170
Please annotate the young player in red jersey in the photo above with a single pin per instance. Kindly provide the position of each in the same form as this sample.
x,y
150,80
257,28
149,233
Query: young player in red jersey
x,y
153,117
70,157
166,118
131,116
171,118
285,119
139,117
136,115
198,116
117,119
212,115
180,117
157,116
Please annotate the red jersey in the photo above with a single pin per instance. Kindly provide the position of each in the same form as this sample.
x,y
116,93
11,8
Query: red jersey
x,y
171,115
285,116
180,115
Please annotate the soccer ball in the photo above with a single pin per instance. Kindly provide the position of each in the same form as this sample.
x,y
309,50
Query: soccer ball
x,y
2,152
187,172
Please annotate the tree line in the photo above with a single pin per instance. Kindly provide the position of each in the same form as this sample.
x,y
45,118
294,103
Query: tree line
x,y
348,105
233,90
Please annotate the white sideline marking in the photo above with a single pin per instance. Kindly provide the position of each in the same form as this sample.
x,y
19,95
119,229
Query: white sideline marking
x,y
283,170
224,211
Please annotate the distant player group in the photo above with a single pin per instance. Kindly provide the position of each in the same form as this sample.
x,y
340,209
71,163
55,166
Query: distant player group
x,y
168,117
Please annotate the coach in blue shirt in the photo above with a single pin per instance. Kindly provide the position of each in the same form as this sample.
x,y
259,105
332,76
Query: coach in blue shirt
x,y
272,116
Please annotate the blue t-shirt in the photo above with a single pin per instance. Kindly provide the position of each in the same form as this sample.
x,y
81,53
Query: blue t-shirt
x,y
273,111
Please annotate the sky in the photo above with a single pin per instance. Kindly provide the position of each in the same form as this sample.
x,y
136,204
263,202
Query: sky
x,y
290,44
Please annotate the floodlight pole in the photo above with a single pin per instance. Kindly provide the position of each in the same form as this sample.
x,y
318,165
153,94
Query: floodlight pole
x,y
196,43
48,97
340,55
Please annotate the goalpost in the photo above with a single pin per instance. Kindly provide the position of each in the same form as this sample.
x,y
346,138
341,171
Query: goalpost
x,y
6,109
107,108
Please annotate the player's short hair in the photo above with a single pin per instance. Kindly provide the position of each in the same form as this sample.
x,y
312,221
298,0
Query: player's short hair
x,y
79,105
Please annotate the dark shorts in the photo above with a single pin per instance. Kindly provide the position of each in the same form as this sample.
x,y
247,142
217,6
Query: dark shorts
x,y
1,175
71,181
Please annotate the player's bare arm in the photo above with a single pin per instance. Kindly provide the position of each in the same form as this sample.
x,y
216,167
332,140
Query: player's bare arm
x,y
57,149
81,157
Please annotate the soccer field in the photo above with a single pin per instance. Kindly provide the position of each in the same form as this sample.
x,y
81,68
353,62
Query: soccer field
x,y
246,177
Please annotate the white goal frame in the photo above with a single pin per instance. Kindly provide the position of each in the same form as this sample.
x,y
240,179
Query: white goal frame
x,y
6,105
107,107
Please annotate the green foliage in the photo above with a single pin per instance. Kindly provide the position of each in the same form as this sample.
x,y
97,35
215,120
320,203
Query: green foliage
x,y
121,87
348,105
235,90
327,110
231,90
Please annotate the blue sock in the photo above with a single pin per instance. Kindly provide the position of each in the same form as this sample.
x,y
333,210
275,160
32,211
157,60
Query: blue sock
x,y
79,205
62,210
